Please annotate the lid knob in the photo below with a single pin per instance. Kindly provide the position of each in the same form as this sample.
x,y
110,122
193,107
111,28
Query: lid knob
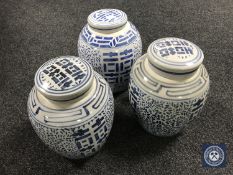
x,y
64,78
175,55
107,19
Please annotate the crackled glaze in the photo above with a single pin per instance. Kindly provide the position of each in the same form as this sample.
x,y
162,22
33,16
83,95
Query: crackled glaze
x,y
167,93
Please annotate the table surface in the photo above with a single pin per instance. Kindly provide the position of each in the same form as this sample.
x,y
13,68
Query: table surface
x,y
34,31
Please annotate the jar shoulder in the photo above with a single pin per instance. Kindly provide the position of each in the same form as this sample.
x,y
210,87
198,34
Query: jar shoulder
x,y
72,112
106,39
160,87
121,31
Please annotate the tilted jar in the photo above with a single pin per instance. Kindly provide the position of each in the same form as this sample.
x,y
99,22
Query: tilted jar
x,y
168,86
71,107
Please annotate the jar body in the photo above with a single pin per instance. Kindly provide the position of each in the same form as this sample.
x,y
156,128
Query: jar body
x,y
165,107
80,127
111,52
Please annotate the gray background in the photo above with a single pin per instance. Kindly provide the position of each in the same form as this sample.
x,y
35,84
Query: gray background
x,y
33,31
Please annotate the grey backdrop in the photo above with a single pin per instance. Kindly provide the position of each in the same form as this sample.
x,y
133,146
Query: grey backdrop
x,y
33,31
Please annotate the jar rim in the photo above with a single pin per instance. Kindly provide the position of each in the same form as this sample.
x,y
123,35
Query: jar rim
x,y
107,19
175,55
64,78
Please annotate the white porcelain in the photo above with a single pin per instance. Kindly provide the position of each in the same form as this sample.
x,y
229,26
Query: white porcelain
x,y
168,86
71,107
111,44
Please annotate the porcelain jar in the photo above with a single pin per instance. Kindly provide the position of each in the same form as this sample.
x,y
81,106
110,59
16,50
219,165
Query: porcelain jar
x,y
71,107
111,44
168,86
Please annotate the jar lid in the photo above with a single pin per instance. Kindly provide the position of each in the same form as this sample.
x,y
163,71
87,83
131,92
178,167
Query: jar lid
x,y
64,78
175,55
107,19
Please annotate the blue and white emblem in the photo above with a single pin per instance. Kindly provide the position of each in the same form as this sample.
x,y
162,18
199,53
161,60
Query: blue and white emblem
x,y
214,155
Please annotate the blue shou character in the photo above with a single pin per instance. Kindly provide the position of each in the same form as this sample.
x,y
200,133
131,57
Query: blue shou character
x,y
164,52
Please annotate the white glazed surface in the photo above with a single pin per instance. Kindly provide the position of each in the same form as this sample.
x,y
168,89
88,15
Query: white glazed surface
x,y
115,59
166,103
76,128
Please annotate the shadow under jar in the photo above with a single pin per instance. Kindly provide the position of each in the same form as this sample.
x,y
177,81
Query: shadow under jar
x,y
168,86
111,44
71,107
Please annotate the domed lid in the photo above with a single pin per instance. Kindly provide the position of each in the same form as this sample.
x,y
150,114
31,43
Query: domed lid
x,y
175,55
107,19
64,78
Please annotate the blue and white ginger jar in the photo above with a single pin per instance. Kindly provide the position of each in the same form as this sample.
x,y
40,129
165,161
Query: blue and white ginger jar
x,y
168,86
111,44
71,107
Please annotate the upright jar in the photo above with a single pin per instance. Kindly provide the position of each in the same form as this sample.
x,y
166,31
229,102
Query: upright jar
x,y
71,107
168,86
111,44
